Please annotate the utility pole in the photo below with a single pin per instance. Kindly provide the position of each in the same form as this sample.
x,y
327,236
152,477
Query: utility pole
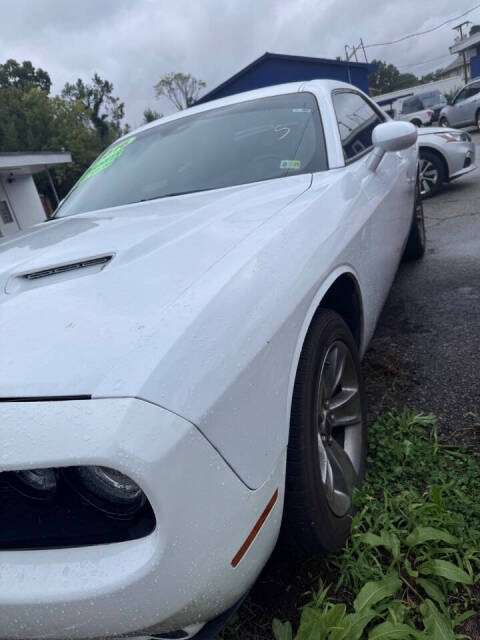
x,y
363,49
351,50
459,28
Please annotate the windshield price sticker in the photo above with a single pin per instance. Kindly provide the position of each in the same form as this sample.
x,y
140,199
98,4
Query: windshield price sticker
x,y
106,160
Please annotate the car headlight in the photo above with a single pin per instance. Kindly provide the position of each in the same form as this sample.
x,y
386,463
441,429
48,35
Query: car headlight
x,y
40,484
455,136
107,489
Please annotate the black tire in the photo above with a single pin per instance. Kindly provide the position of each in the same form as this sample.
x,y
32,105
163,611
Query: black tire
x,y
416,122
443,122
432,173
310,523
417,242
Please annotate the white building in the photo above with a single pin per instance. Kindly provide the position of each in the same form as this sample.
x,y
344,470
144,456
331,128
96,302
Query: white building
x,y
20,204
467,49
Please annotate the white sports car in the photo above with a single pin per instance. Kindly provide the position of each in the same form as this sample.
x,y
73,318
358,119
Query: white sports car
x,y
180,359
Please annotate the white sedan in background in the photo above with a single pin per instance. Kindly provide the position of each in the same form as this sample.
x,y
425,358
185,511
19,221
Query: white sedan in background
x,y
445,154
180,362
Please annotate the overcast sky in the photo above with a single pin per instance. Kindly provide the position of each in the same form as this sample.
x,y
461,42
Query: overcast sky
x,y
134,42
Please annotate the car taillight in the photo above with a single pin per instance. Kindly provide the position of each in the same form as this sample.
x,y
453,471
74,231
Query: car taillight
x,y
430,112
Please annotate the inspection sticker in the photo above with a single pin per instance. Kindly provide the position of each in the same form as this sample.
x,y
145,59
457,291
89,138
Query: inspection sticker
x,y
106,160
290,164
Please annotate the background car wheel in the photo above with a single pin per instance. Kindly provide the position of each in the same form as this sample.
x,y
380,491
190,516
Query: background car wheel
x,y
443,122
416,243
417,123
477,119
432,173
328,435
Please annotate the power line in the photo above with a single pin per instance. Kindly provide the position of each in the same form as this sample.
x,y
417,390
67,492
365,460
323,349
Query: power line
x,y
419,64
422,33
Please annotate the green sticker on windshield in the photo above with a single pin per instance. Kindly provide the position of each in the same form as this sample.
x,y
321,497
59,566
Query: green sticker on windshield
x,y
290,164
106,160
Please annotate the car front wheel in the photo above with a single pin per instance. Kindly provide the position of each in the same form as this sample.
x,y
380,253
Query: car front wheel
x,y
328,434
444,122
432,173
416,242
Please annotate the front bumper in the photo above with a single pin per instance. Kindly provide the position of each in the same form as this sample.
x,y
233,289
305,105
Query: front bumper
x,y
180,574
460,158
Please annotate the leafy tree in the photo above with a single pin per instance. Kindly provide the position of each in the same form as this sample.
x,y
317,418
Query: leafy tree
x,y
26,120
149,115
388,78
84,119
431,77
23,76
182,89
105,110
72,131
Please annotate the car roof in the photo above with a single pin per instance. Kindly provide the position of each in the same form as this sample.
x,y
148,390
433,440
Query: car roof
x,y
279,89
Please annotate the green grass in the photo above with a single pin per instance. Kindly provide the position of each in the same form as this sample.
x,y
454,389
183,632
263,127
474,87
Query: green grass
x,y
410,568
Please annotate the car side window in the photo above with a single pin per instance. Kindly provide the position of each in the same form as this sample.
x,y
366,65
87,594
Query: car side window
x,y
472,90
461,96
356,120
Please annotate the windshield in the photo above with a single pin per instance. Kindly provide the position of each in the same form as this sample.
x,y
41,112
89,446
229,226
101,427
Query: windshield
x,y
238,144
432,100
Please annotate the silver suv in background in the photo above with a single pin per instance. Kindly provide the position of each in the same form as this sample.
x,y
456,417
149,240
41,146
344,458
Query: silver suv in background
x,y
464,110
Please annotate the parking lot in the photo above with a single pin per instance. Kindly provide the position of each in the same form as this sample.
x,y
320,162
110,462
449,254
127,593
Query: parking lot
x,y
426,350
425,355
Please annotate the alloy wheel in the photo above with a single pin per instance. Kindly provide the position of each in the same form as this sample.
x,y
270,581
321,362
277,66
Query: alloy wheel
x,y
428,177
339,419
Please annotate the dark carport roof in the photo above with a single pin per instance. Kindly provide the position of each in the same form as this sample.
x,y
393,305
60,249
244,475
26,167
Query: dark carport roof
x,y
370,68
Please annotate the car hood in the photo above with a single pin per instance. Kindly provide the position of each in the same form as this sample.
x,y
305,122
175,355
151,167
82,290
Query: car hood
x,y
423,131
82,298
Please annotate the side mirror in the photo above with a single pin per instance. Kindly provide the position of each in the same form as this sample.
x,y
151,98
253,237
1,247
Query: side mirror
x,y
391,136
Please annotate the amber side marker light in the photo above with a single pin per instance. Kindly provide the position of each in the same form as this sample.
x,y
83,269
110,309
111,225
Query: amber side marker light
x,y
251,536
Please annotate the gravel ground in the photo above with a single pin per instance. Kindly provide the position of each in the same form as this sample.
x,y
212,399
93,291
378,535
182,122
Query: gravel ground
x,y
425,355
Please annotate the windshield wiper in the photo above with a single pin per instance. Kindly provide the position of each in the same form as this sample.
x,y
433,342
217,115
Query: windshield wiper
x,y
174,193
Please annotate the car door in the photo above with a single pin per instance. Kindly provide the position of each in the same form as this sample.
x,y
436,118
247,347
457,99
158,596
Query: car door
x,y
385,201
466,105
471,104
455,113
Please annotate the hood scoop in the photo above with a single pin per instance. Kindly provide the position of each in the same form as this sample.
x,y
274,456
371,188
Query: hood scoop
x,y
56,273
51,271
